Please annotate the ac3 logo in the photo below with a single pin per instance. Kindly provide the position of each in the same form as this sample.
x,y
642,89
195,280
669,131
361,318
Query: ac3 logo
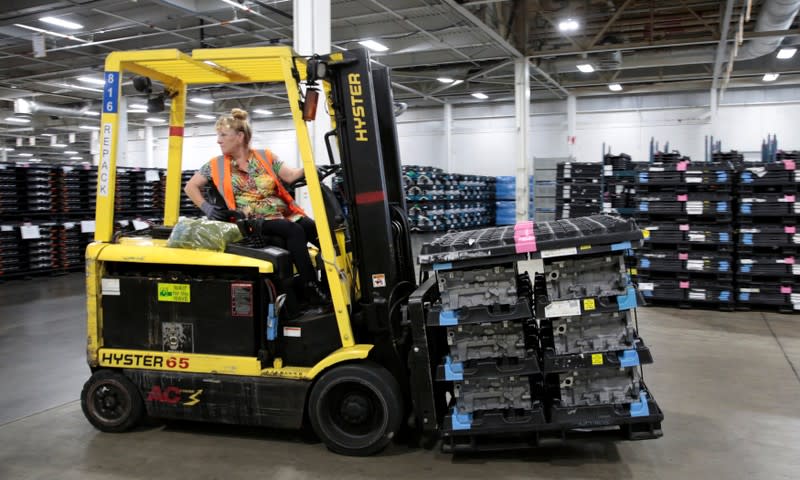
x,y
173,395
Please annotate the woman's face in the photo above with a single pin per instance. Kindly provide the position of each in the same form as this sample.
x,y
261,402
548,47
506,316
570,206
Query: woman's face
x,y
229,140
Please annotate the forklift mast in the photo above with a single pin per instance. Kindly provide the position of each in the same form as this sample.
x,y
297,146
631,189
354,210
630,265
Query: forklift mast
x,y
364,115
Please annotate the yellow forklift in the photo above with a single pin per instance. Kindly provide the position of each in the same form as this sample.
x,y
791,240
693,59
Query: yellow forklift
x,y
211,336
221,337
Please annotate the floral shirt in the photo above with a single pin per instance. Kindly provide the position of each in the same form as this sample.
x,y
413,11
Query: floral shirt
x,y
254,190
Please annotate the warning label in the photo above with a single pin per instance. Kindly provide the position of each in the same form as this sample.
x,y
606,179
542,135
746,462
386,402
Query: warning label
x,y
174,292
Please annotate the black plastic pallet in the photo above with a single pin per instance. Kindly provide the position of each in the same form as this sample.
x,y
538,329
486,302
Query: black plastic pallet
x,y
493,367
479,314
638,354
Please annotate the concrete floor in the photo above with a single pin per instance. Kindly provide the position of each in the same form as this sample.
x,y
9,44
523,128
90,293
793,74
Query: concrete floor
x,y
728,384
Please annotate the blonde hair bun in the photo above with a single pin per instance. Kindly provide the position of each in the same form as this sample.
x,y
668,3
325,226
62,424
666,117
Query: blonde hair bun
x,y
239,114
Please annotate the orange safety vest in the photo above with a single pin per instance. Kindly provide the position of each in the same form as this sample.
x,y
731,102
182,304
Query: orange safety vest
x,y
221,174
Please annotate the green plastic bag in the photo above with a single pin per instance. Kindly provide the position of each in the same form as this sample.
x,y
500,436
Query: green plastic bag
x,y
199,233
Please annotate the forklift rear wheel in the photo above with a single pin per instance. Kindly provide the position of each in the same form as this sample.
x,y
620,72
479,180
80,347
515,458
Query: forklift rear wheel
x,y
356,409
111,402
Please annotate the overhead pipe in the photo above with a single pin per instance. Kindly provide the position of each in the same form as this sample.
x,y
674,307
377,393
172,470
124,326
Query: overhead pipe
x,y
775,15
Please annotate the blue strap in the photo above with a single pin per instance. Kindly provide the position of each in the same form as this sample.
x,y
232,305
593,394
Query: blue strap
x,y
461,421
453,371
640,408
448,318
628,358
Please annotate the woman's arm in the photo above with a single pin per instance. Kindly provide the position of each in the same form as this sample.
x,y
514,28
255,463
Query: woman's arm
x,y
287,174
194,189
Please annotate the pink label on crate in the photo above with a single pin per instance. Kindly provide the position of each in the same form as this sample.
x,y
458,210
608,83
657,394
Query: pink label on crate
x,y
684,227
788,198
790,229
683,198
786,290
684,284
681,166
788,260
524,239
788,164
683,256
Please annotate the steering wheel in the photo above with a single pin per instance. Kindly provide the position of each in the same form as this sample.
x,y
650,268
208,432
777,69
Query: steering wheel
x,y
323,172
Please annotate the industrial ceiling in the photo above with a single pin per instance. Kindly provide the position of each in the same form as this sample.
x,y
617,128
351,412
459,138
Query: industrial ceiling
x,y
642,46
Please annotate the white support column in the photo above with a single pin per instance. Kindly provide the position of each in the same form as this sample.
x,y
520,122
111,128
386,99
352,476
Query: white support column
x,y
312,35
94,146
122,138
572,135
714,106
3,155
522,101
149,147
448,138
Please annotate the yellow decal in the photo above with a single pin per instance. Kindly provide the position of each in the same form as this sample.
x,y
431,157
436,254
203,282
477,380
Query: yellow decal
x,y
588,304
174,292
645,234
357,106
597,359
193,397
585,247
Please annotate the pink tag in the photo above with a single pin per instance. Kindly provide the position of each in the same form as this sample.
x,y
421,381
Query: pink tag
x,y
684,227
788,260
788,164
788,198
681,166
524,239
683,256
790,229
684,284
683,198
786,290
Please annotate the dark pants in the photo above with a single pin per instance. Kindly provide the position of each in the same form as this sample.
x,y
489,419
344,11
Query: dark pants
x,y
297,235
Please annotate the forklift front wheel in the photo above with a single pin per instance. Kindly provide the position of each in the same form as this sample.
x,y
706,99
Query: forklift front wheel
x,y
111,402
356,409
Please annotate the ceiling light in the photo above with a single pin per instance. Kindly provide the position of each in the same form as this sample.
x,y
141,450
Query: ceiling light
x,y
59,145
76,158
138,106
81,87
568,25
585,67
154,120
48,32
92,80
785,53
91,113
201,101
262,111
205,117
8,149
480,96
373,45
768,77
238,5
615,87
25,154
61,23
445,80
70,152
458,82
88,127
17,120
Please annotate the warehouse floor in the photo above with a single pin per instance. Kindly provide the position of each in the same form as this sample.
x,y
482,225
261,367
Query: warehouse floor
x,y
728,385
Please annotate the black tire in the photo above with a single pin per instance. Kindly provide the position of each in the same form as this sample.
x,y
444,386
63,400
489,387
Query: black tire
x,y
356,409
111,402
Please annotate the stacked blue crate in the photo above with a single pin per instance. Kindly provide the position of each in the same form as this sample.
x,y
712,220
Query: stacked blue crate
x,y
505,200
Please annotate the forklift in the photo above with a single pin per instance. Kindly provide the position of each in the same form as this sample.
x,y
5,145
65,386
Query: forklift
x,y
220,336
